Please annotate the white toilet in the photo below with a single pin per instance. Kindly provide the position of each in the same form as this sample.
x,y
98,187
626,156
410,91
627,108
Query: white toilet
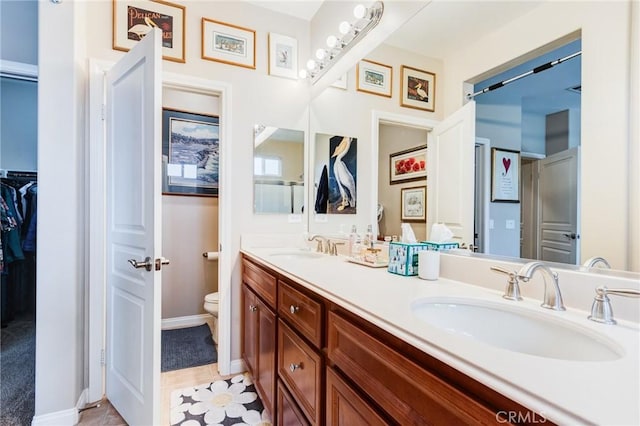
x,y
211,306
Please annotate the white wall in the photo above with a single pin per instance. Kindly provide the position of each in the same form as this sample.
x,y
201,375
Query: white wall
x,y
18,129
605,33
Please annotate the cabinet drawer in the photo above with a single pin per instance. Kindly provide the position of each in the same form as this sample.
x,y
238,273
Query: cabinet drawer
x,y
406,391
345,407
288,412
261,281
300,368
301,311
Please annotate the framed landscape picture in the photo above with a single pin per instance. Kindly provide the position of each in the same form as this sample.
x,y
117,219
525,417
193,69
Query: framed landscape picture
x,y
374,78
229,44
418,89
190,153
133,19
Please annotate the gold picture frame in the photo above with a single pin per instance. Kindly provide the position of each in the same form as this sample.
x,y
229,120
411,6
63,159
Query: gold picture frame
x,y
133,19
229,44
418,89
413,204
374,78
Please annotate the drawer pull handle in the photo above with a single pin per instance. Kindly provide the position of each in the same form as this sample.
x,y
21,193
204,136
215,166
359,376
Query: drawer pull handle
x,y
294,367
294,309
252,308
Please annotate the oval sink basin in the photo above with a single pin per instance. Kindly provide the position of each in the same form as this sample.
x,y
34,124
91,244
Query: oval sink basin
x,y
297,254
516,329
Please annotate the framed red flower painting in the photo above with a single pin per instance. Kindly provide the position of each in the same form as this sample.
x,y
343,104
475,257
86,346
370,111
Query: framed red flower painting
x,y
408,165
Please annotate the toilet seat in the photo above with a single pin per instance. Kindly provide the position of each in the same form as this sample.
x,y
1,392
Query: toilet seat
x,y
212,297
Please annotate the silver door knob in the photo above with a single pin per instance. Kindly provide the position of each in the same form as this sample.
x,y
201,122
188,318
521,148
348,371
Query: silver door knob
x,y
147,264
161,261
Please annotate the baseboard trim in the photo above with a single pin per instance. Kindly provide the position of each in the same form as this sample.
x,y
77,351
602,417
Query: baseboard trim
x,y
68,417
187,321
237,366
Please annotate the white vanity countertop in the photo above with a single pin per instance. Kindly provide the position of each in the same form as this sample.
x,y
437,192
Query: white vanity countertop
x,y
565,392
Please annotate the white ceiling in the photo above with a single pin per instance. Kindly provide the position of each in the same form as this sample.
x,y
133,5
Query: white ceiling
x,y
441,26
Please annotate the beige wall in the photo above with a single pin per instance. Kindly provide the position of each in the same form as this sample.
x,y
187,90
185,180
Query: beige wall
x,y
604,168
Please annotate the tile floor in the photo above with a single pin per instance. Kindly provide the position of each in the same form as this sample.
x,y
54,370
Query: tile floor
x,y
169,381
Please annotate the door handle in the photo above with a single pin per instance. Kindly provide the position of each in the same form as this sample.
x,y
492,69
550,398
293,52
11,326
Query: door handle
x,y
147,264
571,236
161,261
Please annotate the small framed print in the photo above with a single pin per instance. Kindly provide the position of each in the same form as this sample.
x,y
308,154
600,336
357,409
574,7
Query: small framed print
x,y
408,165
190,153
229,44
374,78
418,89
133,19
341,83
413,207
283,56
505,176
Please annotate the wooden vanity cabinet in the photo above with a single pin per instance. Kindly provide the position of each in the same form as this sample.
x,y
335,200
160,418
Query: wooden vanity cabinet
x,y
259,326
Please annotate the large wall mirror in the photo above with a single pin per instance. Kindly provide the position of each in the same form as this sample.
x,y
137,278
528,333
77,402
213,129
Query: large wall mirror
x,y
278,170
464,59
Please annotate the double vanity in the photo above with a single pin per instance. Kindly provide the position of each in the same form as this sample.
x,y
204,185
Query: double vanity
x,y
332,342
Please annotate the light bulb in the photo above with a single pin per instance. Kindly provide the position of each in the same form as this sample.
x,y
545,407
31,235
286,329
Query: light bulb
x,y
321,54
332,41
359,11
311,64
302,74
344,27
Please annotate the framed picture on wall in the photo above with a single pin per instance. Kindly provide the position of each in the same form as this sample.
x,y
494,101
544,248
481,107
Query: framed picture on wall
x,y
229,44
375,78
505,176
418,89
413,204
408,165
133,19
283,56
190,153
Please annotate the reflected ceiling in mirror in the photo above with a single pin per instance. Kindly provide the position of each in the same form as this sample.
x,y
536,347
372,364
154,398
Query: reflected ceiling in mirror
x,y
278,170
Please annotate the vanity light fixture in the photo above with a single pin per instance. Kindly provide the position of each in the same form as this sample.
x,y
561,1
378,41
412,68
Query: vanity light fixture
x,y
350,33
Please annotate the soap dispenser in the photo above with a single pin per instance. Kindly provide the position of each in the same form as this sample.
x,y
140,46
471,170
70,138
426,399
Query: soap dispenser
x,y
353,241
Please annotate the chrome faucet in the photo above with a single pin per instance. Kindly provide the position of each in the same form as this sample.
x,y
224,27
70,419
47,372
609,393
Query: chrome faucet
x,y
593,261
323,243
601,310
552,297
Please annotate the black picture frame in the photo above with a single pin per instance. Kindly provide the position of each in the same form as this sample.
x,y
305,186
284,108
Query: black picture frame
x,y
190,153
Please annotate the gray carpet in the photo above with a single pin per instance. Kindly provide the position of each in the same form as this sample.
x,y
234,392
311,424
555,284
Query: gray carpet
x,y
17,372
187,347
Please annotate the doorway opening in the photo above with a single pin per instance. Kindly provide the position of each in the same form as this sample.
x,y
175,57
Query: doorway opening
x,y
539,117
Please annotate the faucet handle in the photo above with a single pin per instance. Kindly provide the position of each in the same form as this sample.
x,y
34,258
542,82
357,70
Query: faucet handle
x,y
512,292
601,310
333,248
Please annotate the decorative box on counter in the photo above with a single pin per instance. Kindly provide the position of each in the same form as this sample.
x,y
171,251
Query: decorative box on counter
x,y
403,258
440,246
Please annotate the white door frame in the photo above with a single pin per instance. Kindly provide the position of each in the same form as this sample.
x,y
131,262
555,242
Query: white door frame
x,y
381,117
96,225
484,188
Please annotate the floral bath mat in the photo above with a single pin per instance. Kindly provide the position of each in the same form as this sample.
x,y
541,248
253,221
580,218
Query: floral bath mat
x,y
224,402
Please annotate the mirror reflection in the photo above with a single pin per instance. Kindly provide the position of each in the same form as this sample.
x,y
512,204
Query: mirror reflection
x,y
336,174
524,121
278,170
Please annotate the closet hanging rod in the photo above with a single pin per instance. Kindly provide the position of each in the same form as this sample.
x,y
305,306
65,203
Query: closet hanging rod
x,y
17,173
536,70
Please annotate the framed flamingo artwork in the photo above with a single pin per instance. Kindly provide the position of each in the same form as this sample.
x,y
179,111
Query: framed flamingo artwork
x,y
505,176
133,19
418,89
408,165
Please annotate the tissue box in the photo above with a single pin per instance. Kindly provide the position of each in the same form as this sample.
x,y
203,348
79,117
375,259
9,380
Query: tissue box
x,y
440,246
403,258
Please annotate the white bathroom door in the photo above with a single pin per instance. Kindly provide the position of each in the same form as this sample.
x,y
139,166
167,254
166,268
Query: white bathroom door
x,y
450,173
558,207
133,259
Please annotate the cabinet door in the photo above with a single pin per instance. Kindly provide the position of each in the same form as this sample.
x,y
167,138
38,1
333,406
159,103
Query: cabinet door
x,y
249,330
288,412
345,407
266,372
